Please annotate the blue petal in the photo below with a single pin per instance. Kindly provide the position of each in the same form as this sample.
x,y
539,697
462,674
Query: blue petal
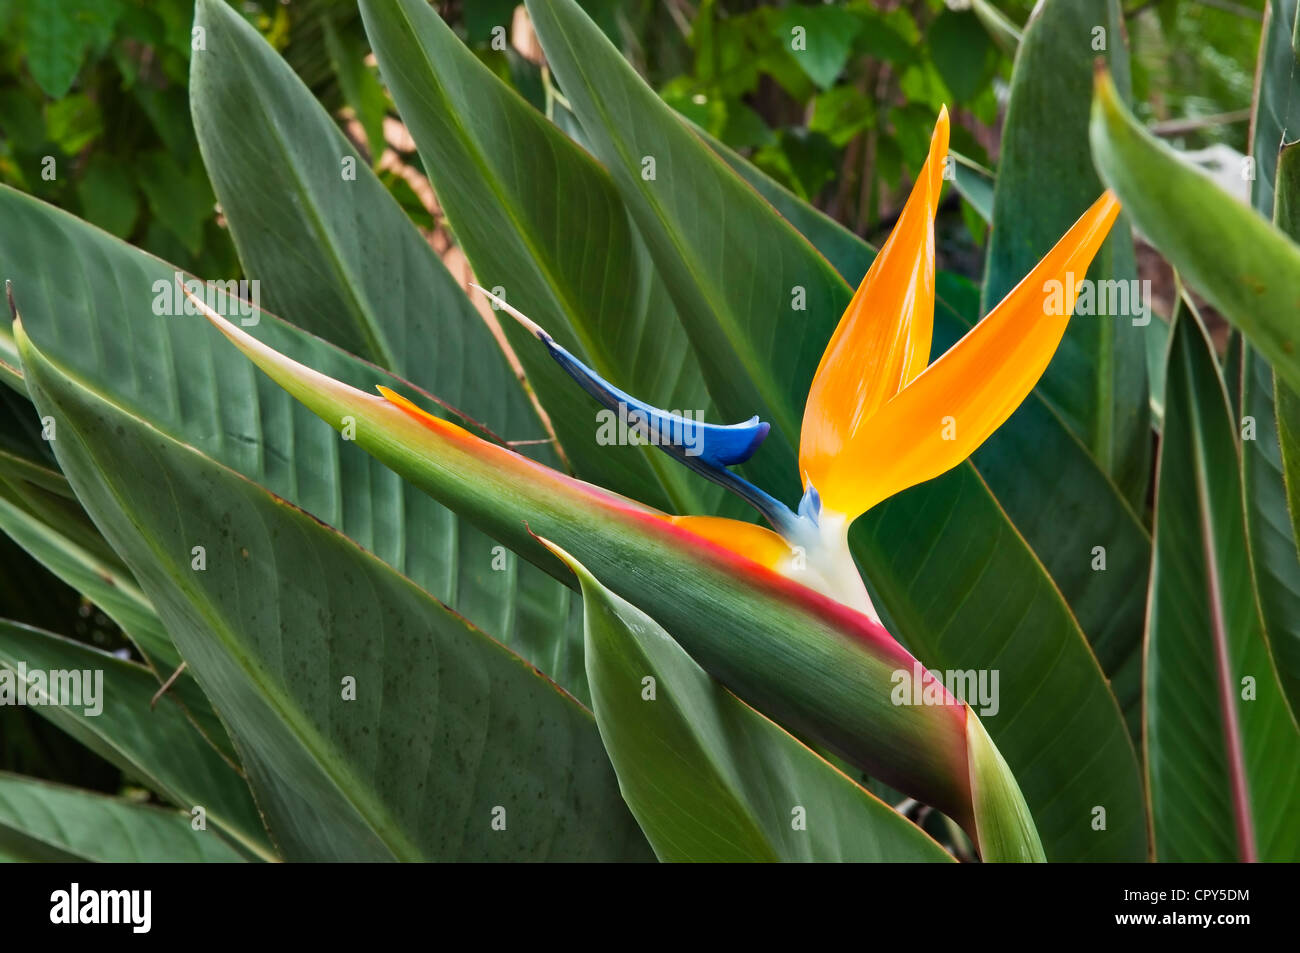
x,y
810,507
717,445
708,449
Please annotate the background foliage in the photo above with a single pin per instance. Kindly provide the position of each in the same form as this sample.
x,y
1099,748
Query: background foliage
x,y
101,87
101,90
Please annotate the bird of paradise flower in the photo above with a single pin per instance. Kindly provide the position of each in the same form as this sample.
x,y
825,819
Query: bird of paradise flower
x,y
880,417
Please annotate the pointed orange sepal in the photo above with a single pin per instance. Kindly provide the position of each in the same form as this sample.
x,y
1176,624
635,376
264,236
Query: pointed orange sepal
x,y
883,340
943,416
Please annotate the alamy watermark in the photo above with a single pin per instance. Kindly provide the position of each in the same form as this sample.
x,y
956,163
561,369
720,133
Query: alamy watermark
x,y
1111,297
975,687
632,427
61,688
231,299
133,908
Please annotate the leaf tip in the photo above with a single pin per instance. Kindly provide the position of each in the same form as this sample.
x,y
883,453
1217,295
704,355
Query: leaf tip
x,y
215,319
1103,86
564,556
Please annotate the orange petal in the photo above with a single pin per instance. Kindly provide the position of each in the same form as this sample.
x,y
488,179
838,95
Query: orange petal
x,y
748,539
883,339
437,423
953,407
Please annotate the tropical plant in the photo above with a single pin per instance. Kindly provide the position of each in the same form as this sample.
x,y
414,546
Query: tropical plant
x,y
409,580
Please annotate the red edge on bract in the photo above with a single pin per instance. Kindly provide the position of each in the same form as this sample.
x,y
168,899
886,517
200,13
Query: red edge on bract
x,y
838,615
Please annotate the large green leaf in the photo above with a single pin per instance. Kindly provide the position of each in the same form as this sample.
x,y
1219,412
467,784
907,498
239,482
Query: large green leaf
x,y
334,252
89,302
373,722
848,254
10,373
16,465
51,501
1288,424
708,777
40,821
1270,463
24,455
939,556
30,479
109,587
160,745
1223,753
1097,380
1271,534
1239,262
539,218
112,588
1276,118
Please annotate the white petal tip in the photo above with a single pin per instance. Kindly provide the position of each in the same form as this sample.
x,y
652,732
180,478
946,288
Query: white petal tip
x,y
531,326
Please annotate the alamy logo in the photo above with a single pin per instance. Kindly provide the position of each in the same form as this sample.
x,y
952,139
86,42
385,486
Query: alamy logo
x,y
632,427
1110,297
75,906
230,299
977,688
61,688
